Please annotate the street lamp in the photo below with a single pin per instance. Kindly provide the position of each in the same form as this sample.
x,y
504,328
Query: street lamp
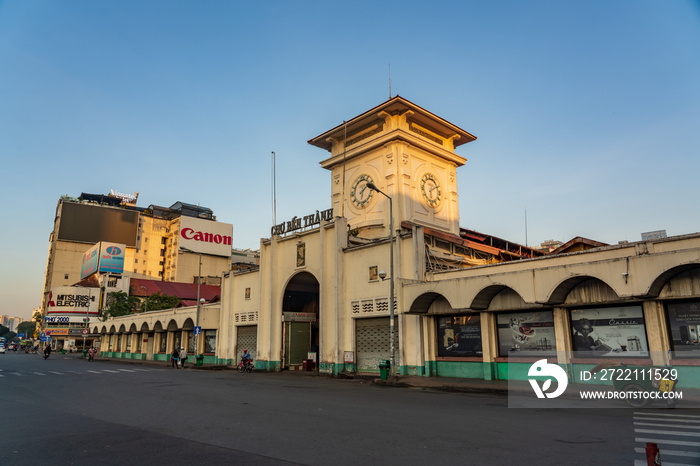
x,y
392,360
199,282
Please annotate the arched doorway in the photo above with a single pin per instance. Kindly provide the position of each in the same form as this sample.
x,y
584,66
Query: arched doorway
x,y
300,311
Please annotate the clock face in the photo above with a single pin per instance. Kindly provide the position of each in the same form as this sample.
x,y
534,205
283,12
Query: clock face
x,y
430,188
360,193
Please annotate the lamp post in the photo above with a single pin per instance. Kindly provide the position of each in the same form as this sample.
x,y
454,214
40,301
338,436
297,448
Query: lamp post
x,y
392,370
199,282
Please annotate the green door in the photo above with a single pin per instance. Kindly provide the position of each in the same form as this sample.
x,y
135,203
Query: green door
x,y
297,342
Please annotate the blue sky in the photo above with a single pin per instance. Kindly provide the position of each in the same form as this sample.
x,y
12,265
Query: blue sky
x,y
586,113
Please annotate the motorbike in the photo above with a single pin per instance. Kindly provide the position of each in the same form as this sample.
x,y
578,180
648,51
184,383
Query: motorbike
x,y
246,366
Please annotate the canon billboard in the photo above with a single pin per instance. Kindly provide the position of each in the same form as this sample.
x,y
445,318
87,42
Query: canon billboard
x,y
206,236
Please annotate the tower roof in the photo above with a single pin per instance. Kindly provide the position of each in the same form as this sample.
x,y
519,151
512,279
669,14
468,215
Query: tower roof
x,y
395,105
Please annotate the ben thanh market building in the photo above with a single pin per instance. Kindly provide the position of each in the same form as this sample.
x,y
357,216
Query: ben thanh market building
x,y
463,300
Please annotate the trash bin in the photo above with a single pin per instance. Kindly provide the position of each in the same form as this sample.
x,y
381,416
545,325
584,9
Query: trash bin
x,y
384,369
84,353
308,365
200,360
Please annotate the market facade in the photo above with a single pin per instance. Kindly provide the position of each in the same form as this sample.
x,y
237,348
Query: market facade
x,y
321,296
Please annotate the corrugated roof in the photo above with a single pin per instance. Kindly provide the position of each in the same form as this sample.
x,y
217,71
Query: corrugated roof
x,y
185,291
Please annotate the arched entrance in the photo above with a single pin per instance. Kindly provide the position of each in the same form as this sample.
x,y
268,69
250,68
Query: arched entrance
x,y
300,312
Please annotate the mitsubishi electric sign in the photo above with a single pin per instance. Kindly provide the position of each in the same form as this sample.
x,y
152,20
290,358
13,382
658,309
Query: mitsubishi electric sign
x,y
69,300
206,236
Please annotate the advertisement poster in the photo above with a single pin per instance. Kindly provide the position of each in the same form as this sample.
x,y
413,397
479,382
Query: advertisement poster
x,y
459,336
684,323
69,300
610,331
90,259
112,257
527,333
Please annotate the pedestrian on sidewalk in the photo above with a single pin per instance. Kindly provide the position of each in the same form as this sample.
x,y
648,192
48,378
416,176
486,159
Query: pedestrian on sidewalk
x,y
174,357
183,357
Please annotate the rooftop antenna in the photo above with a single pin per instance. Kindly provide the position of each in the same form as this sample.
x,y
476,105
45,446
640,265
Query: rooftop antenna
x,y
274,192
390,80
526,227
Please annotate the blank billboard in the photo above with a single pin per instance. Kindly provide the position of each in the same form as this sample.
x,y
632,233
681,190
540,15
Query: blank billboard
x,y
87,223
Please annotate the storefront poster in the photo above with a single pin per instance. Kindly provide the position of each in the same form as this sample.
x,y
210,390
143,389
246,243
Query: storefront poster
x,y
459,336
609,332
684,323
527,334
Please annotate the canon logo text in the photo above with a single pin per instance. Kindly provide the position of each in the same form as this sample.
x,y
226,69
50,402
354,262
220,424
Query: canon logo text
x,y
189,233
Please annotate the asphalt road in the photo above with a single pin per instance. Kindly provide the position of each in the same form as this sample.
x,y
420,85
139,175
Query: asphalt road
x,y
67,411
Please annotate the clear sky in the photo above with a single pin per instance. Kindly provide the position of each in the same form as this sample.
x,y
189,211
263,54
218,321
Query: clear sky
x,y
587,113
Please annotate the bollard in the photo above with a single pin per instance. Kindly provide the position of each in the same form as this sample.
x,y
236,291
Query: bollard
x,y
653,455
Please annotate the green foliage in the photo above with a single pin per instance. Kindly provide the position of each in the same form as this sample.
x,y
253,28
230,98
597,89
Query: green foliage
x,y
28,328
119,304
5,332
158,301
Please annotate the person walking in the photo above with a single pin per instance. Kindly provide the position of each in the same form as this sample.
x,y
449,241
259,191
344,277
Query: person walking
x,y
174,357
183,357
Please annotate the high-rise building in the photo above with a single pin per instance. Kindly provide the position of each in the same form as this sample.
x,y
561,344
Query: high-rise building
x,y
177,243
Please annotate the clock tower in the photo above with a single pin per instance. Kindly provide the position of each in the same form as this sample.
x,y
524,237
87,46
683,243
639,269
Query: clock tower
x,y
406,152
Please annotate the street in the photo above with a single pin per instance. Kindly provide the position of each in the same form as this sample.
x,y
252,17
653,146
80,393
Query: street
x,y
65,410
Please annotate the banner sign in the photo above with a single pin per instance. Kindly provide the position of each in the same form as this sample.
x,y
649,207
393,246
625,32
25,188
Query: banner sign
x,y
103,257
90,260
299,317
206,236
612,331
73,300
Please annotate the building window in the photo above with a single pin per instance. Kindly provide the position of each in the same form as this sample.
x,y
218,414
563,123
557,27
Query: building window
x,y
444,245
373,274
210,341
609,332
526,334
136,261
163,240
684,325
460,336
301,254
65,277
163,342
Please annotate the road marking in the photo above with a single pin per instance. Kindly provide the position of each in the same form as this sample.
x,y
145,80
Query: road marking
x,y
126,370
57,373
667,415
671,430
39,373
666,442
675,426
689,454
668,432
107,370
95,372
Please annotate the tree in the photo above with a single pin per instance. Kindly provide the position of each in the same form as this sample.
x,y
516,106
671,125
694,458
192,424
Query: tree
x,y
119,304
28,328
5,332
158,301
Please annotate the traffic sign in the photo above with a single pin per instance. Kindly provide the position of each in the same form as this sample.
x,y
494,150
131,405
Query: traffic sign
x,y
197,330
85,331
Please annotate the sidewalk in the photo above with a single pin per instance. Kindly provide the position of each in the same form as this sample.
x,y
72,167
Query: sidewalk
x,y
448,384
